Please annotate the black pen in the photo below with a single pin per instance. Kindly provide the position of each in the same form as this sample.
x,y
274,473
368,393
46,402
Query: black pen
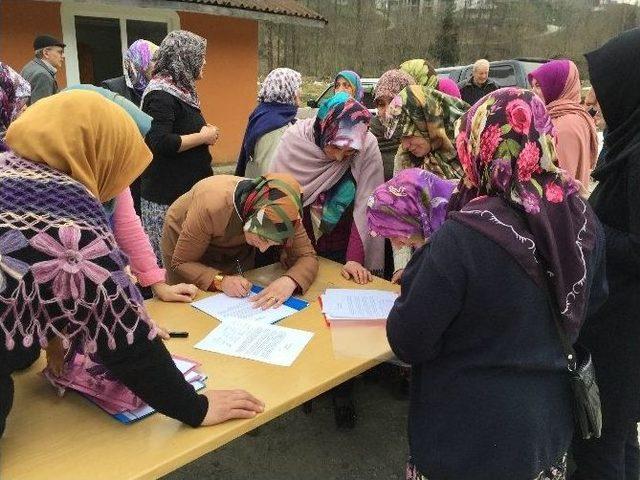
x,y
178,334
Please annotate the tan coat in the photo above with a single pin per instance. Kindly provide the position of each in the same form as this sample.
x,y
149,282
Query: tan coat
x,y
203,236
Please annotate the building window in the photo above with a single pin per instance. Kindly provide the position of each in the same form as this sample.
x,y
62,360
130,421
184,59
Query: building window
x,y
98,35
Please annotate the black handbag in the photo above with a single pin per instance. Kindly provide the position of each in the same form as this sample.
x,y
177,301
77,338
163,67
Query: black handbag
x,y
587,412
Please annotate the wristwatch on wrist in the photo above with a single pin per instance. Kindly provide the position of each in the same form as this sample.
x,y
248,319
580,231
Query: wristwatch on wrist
x,y
217,281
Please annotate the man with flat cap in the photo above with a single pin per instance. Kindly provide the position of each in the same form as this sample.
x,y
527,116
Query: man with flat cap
x,y
41,71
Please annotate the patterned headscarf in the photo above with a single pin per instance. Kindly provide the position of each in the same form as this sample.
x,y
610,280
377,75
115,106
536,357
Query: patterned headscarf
x,y
14,95
282,85
179,60
354,80
391,83
413,203
341,121
514,194
136,63
426,112
272,206
421,71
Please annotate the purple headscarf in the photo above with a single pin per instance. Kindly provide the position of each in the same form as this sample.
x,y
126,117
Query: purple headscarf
x,y
136,63
14,95
514,194
552,77
413,203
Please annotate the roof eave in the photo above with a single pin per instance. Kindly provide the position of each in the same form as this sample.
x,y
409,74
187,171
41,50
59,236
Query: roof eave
x,y
213,10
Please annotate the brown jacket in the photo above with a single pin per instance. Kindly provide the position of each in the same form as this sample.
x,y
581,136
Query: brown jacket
x,y
203,236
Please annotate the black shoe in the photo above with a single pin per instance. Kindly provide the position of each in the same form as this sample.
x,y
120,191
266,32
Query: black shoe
x,y
344,412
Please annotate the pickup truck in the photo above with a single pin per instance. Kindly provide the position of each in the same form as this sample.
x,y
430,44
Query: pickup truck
x,y
506,73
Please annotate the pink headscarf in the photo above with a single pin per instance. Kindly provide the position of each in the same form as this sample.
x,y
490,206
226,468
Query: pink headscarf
x,y
299,155
448,86
577,145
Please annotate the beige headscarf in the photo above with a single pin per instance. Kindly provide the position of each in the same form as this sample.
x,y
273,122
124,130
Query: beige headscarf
x,y
577,147
85,136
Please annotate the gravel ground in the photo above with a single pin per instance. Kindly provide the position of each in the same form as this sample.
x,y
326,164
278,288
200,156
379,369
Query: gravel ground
x,y
297,445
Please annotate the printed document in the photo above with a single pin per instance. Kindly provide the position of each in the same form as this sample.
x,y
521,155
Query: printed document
x,y
339,303
229,309
254,341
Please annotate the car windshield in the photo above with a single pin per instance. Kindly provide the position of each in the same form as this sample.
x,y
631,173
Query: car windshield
x,y
530,67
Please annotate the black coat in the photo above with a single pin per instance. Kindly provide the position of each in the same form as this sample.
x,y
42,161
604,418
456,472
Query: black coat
x,y
172,173
613,335
471,93
119,86
490,393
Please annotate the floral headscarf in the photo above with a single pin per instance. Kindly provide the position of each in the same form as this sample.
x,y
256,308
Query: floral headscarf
x,y
281,86
391,83
136,63
421,71
413,203
354,80
426,112
514,194
271,205
179,60
341,121
14,95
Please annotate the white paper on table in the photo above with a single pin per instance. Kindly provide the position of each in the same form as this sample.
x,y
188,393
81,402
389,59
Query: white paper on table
x,y
354,304
254,341
229,309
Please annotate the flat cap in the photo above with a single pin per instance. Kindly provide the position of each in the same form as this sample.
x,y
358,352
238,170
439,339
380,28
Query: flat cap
x,y
44,41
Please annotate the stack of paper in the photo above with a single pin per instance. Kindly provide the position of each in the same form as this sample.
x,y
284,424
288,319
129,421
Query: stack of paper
x,y
229,309
94,382
343,305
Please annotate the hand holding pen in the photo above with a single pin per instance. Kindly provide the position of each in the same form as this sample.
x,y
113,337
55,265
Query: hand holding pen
x,y
236,285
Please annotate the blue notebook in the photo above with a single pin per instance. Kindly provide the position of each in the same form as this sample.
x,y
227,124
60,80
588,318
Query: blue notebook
x,y
293,302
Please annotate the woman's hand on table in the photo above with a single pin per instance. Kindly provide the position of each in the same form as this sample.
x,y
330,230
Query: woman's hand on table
x,y
359,274
229,404
235,286
275,294
182,292
397,275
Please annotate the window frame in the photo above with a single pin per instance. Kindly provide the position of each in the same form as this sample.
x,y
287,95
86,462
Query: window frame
x,y
70,10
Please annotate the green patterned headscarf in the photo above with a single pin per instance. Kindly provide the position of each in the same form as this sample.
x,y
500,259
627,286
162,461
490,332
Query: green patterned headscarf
x,y
271,206
421,71
426,112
